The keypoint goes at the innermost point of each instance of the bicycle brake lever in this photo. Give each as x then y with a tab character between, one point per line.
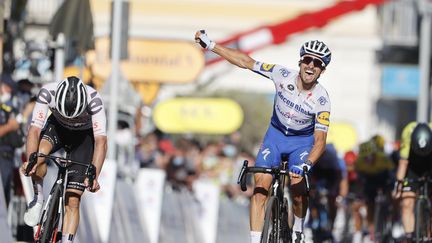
91	175
242	176
32	162
305	171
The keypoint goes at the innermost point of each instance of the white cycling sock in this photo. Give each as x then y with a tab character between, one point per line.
298	224
67	238
255	236
357	237
38	190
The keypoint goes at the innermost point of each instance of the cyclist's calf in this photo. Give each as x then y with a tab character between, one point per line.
298	187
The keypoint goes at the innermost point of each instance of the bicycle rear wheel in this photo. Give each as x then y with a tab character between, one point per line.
422	222
270	233
52	218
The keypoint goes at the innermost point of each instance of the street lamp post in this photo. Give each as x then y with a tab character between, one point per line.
114	79
425	8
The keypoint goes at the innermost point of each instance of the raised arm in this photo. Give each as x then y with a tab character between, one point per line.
233	56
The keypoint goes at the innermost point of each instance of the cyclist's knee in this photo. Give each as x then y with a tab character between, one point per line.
407	203
260	193
73	198
262	185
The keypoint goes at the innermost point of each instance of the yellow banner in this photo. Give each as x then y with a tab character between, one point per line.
147	91
198	115
150	61
343	136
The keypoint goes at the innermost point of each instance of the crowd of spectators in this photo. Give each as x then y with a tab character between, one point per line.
187	158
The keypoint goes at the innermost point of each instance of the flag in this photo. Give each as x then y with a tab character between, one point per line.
74	19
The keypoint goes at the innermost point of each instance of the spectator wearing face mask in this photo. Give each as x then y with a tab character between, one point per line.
9	122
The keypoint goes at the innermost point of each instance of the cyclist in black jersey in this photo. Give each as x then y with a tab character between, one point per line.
415	161
77	124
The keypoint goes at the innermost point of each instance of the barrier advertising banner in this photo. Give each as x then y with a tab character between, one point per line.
149	187
102	200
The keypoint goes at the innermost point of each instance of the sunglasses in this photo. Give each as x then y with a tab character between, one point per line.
316	62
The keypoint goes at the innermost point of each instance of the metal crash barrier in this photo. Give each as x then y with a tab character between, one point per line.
149	210
233	223
126	225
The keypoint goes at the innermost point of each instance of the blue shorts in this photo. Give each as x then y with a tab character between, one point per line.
276	143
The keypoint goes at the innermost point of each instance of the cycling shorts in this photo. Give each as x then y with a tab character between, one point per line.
410	184
276	143
79	144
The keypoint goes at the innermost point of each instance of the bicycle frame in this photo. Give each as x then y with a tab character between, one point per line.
51	220
279	220
423	223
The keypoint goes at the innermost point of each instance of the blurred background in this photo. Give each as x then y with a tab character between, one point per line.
181	120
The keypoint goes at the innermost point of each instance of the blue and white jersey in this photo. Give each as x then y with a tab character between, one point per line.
296	112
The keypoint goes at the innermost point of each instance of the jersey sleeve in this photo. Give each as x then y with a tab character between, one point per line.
322	111
406	140
271	71
97	111
40	110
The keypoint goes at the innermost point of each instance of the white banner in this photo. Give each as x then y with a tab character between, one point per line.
207	194
102	201
149	191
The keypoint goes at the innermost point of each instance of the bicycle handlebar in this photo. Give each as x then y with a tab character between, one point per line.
62	162
274	171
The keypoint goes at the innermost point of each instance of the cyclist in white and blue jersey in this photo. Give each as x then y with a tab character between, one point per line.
298	127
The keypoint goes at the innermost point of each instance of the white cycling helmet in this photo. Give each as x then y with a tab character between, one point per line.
318	49
71	97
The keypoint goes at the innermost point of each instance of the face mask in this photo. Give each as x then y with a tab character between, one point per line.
229	150
210	161
178	161
5	97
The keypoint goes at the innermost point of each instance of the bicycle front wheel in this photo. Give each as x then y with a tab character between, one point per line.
270	233
51	219
422	221
380	221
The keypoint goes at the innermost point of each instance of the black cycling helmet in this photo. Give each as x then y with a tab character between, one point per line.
421	140
71	97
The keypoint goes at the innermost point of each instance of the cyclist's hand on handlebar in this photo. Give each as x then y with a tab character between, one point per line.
29	167
202	38
298	171
397	189
91	183
95	186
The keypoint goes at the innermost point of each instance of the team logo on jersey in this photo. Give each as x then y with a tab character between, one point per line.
323	118
322	100
302	155
267	67
284	72
265	153
95	106
290	87
44	96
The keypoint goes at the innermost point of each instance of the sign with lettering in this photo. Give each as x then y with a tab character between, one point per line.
150	61
198	115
